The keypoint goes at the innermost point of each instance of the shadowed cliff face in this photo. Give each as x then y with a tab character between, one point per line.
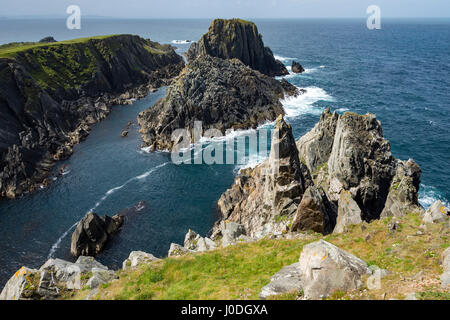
51	93
239	39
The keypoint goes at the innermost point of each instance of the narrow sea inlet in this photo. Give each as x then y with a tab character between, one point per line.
399	73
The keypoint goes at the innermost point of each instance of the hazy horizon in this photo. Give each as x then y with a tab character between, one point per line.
207	9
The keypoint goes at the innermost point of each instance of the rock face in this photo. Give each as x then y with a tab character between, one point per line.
92	233
287	280
49	95
324	268
343	165
222	94
263	199
348	212
194	242
55	277
445	276
315	212
402	197
236	38
137	258
297	67
436	213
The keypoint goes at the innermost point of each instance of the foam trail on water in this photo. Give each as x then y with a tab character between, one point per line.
304	103
56	245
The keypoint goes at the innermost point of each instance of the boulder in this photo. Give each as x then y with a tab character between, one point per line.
100	276
240	39
92	233
22	285
287	280
297	67
325	268
348	212
315	212
137	258
177	250
445	276
436	213
403	191
231	231
195	242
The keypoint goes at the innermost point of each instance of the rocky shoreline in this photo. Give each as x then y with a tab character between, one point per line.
49	107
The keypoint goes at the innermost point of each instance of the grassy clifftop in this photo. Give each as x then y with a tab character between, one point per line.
240	271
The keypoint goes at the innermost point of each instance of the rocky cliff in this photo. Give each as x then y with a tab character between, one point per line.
51	92
237	38
221	93
340	173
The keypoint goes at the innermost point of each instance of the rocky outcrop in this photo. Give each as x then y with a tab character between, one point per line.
297	67
348	212
343	165
240	39
51	94
324	269
437	212
403	192
222	94
176	250
287	280
136	258
445	276
54	278
315	212
92	233
194	242
264	199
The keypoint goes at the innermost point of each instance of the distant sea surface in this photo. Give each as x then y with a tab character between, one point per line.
400	73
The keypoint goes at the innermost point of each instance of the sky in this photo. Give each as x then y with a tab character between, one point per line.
228	8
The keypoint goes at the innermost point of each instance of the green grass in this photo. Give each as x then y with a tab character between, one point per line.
240	271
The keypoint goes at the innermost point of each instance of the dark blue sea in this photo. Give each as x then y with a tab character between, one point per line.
400	73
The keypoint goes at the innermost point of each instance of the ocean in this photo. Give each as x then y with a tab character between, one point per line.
400	73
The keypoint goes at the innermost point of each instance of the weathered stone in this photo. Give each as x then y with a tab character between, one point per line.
315	212
403	192
348	212
231	231
137	258
297	67
100	276
92	233
436	213
324	268
177	250
287	280
22	285
236	38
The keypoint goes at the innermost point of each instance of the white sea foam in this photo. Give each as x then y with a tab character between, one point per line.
342	110
250	162
428	195
56	245
304	103
283	59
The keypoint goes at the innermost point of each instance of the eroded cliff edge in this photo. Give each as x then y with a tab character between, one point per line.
51	92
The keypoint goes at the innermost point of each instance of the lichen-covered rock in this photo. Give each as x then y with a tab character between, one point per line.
195	242
92	233
237	38
100	276
348	212
315	212
22	285
231	231
437	212
403	192
287	280
445	276
176	250
137	258
222	94
325	268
